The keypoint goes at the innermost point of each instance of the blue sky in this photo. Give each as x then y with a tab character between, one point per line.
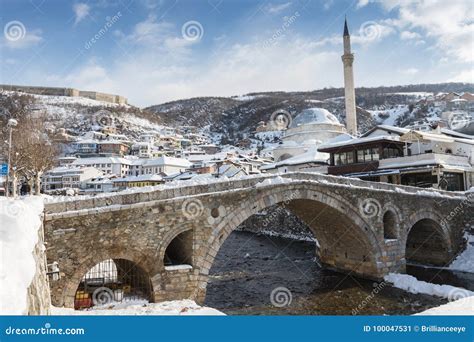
153	51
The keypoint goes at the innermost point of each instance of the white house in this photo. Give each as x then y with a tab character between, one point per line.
167	165
68	177
108	165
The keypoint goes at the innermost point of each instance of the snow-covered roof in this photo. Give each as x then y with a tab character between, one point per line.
86	141
456	134
139	178
314	116
358	141
398	130
69	169
429	136
101	160
166	161
311	156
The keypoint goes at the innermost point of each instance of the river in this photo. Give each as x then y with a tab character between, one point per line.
249	267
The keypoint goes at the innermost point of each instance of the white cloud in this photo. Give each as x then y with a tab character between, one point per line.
464	76
362	3
450	24
153	35
410	71
235	69
30	39
328	4
368	33
275	9
408	35
81	10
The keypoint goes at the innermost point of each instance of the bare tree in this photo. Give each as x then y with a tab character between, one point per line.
32	151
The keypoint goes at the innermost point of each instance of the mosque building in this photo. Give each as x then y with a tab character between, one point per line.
313	127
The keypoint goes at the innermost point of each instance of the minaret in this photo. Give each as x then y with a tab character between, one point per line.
349	92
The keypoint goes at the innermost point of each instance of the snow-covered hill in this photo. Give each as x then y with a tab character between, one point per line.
237	117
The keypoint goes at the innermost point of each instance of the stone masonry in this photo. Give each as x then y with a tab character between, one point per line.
363	228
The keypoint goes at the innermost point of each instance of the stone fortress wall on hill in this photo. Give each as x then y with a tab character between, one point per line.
71	92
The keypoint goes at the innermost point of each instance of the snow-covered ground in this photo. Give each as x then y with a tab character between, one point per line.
411	284
461	307
177	307
388	116
20	220
465	261
461	300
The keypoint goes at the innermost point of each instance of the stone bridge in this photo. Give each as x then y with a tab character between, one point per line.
173	234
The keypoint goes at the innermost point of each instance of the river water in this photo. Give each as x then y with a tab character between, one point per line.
249	267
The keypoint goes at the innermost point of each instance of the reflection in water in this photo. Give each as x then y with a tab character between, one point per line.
249	266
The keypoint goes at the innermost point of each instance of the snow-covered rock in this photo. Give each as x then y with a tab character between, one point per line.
465	261
411	284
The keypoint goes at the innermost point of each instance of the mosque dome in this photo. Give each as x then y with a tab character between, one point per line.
314	116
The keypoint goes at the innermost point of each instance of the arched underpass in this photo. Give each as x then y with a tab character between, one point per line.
113	281
251	268
427	244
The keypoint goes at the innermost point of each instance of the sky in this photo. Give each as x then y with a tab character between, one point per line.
154	51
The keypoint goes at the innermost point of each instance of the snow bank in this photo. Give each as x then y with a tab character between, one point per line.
411	284
464	306
273	181
172	308
465	261
20	221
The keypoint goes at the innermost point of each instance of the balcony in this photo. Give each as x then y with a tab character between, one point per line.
450	160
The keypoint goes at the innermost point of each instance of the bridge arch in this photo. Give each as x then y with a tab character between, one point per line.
426	241
349	244
128	258
390	225
177	248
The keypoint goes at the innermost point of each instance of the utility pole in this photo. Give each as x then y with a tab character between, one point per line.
11	123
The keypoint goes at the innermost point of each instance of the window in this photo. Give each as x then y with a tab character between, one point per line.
360	156
343	158
350	157
375	153
367	156
453	181
391	152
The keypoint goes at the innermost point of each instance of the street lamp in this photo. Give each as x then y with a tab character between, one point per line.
11	123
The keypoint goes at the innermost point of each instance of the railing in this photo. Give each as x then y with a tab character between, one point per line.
434	158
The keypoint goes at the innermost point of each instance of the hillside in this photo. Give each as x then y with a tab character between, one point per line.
238	116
